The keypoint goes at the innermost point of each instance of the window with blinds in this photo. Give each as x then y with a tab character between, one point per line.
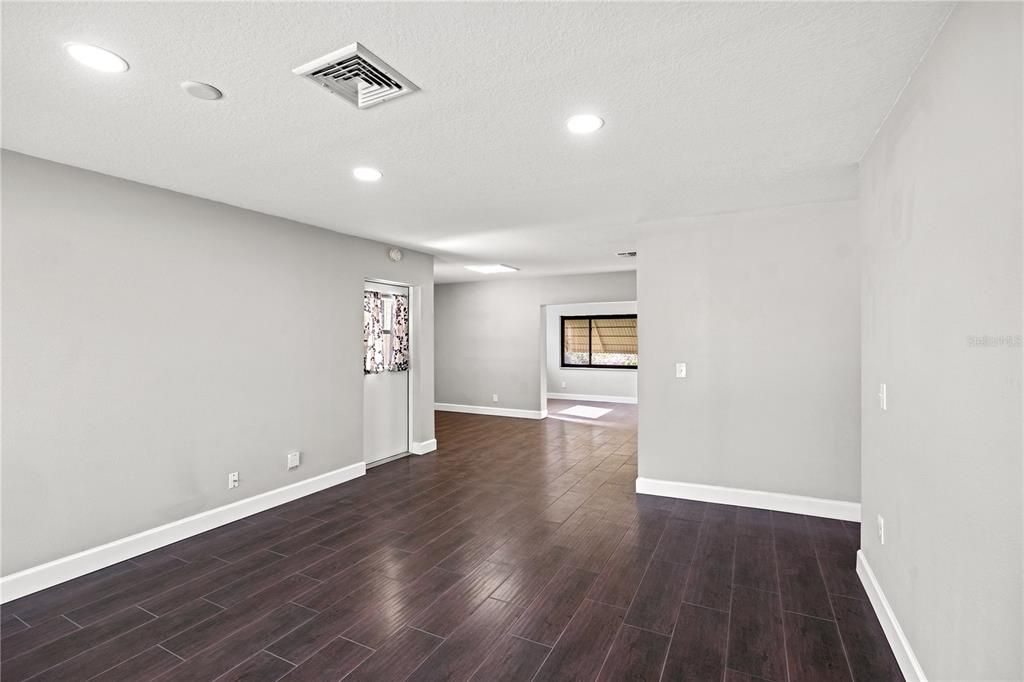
602	341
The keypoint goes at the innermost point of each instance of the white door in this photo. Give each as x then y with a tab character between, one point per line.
385	401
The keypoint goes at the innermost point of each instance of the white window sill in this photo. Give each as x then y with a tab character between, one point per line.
599	369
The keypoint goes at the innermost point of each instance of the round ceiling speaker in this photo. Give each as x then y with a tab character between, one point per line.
395	254
201	90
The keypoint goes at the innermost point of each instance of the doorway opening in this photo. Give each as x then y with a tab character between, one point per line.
590	360
387	365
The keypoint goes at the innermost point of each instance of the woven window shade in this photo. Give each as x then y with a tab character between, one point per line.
616	335
577	336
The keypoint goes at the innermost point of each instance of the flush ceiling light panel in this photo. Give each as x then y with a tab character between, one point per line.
201	90
491	269
584	124
357	75
367	174
96	58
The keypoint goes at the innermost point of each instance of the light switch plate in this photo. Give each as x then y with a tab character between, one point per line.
680	370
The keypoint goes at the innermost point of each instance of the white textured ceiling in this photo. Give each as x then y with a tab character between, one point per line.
709	107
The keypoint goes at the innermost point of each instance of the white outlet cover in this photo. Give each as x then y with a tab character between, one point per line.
680	370
294	459
495	397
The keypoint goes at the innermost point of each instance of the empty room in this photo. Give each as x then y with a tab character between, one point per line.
567	341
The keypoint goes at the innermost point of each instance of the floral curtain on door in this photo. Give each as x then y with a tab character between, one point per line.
373	333
385	333
399	356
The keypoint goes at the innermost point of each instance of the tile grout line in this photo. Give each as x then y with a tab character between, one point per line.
374	650
425	658
161	646
234	632
832	608
576	613
84	651
157	593
756	678
808	615
732	595
632	599
532	641
131	658
443	638
281	658
68	618
782	610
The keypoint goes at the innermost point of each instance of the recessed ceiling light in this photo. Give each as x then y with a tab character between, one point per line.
367	174
491	269
201	90
581	124
96	57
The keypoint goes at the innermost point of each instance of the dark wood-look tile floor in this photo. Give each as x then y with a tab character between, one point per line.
517	551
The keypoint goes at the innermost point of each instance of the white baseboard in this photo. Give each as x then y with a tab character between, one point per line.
593	398
909	664
492	411
796	504
60	570
422	448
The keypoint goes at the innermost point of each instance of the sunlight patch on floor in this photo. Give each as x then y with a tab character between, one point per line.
585	411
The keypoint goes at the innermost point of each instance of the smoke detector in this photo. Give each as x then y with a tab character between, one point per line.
357	75
626	254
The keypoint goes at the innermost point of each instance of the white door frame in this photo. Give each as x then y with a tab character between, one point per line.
413	331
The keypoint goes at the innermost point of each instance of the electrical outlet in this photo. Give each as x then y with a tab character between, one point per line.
883	398
494	397
881	529
563	384
233	479
294	459
680	370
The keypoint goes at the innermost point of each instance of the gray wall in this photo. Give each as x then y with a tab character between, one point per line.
612	383
942	234
154	342
763	308
489	335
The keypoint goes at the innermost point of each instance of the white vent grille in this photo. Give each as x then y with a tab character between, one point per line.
358	75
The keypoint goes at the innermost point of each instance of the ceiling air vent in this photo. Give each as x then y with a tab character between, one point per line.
358	75
626	254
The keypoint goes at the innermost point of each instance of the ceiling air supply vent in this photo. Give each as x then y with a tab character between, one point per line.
626	254
358	75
